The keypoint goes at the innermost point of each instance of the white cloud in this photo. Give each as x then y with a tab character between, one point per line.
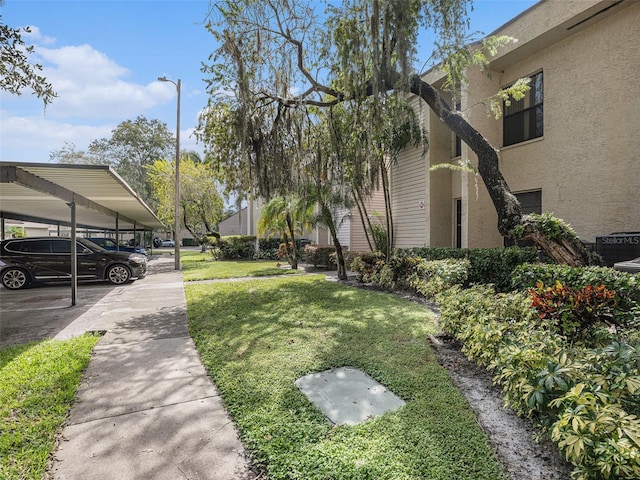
94	96
34	36
33	138
91	85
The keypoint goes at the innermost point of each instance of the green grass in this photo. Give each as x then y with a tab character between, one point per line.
200	266
38	382
257	337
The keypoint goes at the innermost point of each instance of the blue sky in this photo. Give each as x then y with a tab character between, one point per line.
103	58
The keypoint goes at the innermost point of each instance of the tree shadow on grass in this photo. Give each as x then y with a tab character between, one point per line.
257	338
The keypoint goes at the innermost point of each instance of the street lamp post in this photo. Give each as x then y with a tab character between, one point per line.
176	228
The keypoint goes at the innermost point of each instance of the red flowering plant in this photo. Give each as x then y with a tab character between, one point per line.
574	311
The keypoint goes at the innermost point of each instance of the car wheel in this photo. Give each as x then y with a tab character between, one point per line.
118	274
15	278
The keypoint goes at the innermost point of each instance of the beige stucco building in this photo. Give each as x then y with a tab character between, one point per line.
571	147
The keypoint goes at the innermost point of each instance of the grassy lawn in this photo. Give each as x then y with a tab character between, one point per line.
257	337
38	382
200	266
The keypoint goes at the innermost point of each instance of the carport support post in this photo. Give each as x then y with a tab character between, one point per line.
74	255
117	232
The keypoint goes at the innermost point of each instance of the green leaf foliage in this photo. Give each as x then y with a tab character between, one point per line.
38	382
256	338
587	399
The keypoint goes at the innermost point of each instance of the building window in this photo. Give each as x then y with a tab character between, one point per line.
458	223
457	146
530	202
523	119
457	152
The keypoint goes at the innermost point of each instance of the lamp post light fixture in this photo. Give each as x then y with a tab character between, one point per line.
176	229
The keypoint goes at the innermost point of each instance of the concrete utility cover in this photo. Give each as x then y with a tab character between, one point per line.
347	395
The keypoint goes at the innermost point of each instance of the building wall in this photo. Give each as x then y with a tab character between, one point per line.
440	200
409	191
236	224
376	210
343	224
587	164
409	196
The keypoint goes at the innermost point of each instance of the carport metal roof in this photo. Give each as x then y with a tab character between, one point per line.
42	192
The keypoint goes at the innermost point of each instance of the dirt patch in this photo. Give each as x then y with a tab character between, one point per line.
511	437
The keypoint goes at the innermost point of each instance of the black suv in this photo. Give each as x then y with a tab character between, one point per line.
44	259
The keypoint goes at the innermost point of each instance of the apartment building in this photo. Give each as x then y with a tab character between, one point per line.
570	147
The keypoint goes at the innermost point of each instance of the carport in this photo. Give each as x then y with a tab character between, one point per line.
85	196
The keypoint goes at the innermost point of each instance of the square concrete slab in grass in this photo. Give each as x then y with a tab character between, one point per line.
347	395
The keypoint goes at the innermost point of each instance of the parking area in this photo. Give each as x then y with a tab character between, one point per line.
45	311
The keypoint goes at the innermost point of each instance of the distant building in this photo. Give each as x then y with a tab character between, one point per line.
236	224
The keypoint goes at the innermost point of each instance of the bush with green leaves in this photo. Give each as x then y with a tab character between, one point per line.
426	277
323	255
626	285
486	265
235	247
367	266
587	399
431	277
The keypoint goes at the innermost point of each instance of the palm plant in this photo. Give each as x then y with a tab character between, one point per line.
286	217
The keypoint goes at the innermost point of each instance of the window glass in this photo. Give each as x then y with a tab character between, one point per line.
14	246
524	119
36	246
60	246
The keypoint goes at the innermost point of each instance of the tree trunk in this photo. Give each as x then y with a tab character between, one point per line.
388	213
562	249
293	256
364	218
328	221
342	269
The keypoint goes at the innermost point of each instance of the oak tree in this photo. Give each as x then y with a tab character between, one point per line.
281	56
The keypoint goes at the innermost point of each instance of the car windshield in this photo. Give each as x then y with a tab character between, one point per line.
89	244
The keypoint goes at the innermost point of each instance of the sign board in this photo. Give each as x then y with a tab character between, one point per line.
618	247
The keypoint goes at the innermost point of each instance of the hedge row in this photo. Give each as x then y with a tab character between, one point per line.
586	397
483	265
486	265
242	247
564	345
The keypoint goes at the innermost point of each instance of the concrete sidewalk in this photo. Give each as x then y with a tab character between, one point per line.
145	408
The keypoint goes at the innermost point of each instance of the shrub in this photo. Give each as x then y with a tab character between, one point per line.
431	277
627	287
320	255
366	265
379	238
574	311
216	253
235	247
486	265
271	243
586	399
426	277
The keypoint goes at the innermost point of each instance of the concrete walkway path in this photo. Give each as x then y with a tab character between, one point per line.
145	408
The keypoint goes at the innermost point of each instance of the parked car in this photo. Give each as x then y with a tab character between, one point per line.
24	261
111	245
163	242
631	266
